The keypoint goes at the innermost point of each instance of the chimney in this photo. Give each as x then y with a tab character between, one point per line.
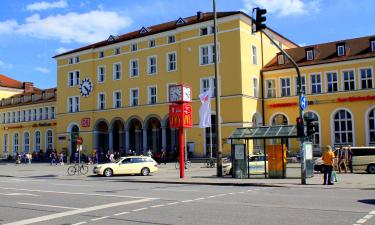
199	15
28	87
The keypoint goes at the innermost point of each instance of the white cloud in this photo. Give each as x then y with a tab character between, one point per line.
42	69
4	65
71	27
47	5
62	50
284	7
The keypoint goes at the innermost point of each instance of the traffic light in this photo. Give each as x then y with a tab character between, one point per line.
259	19
310	128
300	128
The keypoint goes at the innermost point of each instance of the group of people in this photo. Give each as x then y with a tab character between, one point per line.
344	158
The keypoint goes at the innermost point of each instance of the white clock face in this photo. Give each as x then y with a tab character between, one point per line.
187	94
175	93
85	88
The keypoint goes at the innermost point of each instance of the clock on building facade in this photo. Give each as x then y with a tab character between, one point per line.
85	87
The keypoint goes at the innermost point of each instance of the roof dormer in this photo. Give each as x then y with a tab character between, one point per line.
111	38
309	53
340	48
144	30
372	44
180	21
280	59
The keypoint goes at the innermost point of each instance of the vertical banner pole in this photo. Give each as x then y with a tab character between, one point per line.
182	151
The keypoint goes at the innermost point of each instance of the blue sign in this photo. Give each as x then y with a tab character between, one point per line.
303	102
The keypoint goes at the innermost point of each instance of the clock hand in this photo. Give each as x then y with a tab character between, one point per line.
86	88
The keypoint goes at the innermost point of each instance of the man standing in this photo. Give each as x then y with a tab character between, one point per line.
328	159
349	155
341	156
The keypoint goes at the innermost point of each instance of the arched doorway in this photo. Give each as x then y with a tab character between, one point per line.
74	134
134	126
171	136
117	136
154	141
101	140
277	120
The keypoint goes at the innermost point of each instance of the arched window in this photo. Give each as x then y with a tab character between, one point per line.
37	141
15	143
26	142
371	124
343	128
279	119
49	138
315	120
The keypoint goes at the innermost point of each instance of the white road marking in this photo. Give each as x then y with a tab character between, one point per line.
197	199
187	201
156	206
77	211
368	216
182	190
19	194
172	203
231	193
212	196
73	193
136	210
372	212
221	195
118	214
83	222
51	206
73	185
361	221
100	218
365	218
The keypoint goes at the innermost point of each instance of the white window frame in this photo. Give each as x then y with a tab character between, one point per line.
5	143
169	40
311	83
71	79
131	97
169	62
46	113
343	79
303	77
287	88
117	51
26	145
53	112
149	66
211	85
273	89
74	105
76	59
101	103
40	114
372	46
35	114
280	59
131	68
327	82
150	97
254	55
101	54
152	43
115	71
333	120
168	85
210	56
100	74
49	143
37	145
116	100
370	130
134	47
341	50
310	55
256	87
360	77
16	142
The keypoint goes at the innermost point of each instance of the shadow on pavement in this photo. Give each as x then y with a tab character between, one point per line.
367	201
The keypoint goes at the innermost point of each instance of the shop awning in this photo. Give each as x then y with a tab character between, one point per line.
283	131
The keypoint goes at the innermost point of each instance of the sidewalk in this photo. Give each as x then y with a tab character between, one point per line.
197	174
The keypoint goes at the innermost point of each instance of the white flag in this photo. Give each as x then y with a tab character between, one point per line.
205	109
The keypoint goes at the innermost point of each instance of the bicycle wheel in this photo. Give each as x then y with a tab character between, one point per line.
212	163
71	170
207	163
84	169
187	164
177	165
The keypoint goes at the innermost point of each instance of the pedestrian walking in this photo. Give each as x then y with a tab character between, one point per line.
349	154
111	157
149	153
28	158
53	158
341	157
61	158
163	157
328	160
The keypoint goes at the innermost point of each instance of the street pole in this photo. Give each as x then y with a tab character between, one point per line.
299	90
182	151
219	168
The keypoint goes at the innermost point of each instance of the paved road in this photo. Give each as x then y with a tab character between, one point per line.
61	199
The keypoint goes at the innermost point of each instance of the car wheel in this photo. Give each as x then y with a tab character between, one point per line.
108	172
371	169
145	171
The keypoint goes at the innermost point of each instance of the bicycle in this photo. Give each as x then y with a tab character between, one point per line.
210	163
187	164
78	168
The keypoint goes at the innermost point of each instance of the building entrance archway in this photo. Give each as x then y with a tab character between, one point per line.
154	134
117	136
101	140
134	128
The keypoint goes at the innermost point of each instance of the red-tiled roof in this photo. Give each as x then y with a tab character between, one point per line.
357	48
166	27
9	82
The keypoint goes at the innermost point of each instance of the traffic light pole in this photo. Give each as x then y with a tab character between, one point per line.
299	90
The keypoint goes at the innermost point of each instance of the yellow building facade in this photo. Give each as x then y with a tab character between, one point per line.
114	94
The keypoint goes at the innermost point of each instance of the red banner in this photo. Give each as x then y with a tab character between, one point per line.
180	115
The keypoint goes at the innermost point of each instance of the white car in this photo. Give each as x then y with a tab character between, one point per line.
127	165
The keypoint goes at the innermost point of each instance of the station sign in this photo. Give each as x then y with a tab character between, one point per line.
180	116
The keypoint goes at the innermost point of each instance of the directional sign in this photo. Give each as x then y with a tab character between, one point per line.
303	102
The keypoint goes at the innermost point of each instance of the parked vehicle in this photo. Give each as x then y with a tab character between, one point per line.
127	165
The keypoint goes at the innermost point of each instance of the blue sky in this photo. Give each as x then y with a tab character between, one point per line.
32	31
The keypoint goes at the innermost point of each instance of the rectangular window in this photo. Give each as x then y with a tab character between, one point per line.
77	78
280	59
316	84
151	65
35	115
70	104
171	39
101	54
303	79
117	100
101	101
255	86
271	89
332	82
3	118
341	50
373	46
117	51
134	47
70	60
207	83
152	95
73	104
151	43
255	55
18	116
366	78
76	59
8	117
117	71
285	87
204	55
134	97
76	104
40	113
23	118
349	80
310	54
29	115
101	74
171	61
134	68
13	117
53	113
46	113
207	54
204	31
71	79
